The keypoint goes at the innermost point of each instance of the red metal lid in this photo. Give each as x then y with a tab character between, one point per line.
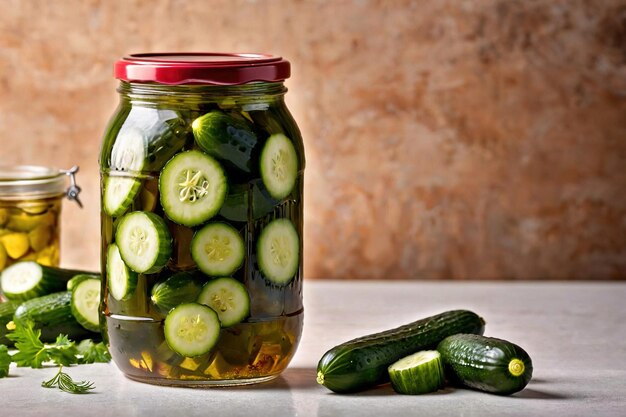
202	68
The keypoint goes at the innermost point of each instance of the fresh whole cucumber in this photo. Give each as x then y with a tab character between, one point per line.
362	363
52	314
485	363
7	309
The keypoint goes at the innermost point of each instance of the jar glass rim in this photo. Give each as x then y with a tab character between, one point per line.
30	181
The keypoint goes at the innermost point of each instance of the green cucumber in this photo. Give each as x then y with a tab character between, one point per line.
419	373
278	251
120	279
191	329
362	363
247	199
183	287
144	242
52	314
77	279
192	188
25	280
227	138
7	309
228	298
128	158
279	166
486	363
85	303
217	249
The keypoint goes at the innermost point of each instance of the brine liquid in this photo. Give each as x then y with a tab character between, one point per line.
29	231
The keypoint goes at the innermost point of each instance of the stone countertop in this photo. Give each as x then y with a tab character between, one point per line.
575	333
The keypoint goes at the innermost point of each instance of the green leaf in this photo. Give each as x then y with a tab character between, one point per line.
67	384
32	352
5	361
92	352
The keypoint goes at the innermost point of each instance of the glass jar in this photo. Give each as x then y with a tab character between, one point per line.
30	209
202	184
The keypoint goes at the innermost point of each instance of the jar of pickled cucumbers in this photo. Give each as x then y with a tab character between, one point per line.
30	208
202	197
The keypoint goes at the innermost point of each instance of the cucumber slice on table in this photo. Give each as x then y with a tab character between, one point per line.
128	154
26	280
85	303
144	241
122	281
228	297
192	329
227	138
192	188
217	249
278	251
419	373
279	166
182	287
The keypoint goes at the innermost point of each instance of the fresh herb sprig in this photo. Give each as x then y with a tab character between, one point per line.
65	383
33	352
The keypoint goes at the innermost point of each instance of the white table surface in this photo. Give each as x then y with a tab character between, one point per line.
574	332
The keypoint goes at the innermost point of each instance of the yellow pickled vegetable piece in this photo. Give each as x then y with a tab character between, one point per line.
4	232
30	256
26	222
49	256
16	244
3	257
218	368
4	216
189	364
39	237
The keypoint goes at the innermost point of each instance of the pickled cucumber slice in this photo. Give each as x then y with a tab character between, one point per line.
228	298
85	303
128	155
16	244
144	242
192	329
419	373
217	249
192	188
121	280
278	251
279	166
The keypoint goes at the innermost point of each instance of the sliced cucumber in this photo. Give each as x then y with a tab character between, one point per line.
128	154
180	288
26	280
192	329
228	297
279	166
77	279
144	241
278	251
192	188
122	281
419	373
217	249
85	303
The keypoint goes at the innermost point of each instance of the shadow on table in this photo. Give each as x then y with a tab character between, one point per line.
529	393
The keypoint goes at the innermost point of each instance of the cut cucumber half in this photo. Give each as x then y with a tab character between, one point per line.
419	373
77	279
278	251
180	288
25	280
279	166
192	329
228	297
128	154
144	242
122	281
217	249
86	302
192	188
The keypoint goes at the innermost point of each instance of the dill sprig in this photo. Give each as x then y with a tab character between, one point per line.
65	383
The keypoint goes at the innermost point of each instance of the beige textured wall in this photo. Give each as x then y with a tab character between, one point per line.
445	139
